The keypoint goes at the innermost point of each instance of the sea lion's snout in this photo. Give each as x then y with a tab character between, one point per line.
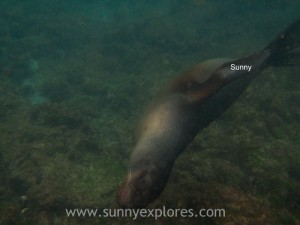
139	188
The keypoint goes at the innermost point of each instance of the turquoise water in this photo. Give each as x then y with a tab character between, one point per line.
75	77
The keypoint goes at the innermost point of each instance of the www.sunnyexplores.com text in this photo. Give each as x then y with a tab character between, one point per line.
145	213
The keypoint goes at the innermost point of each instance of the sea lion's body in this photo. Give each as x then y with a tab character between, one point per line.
190	103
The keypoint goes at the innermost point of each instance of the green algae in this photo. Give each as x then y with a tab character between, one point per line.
71	150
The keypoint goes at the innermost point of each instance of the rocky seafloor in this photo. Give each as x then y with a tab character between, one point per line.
75	77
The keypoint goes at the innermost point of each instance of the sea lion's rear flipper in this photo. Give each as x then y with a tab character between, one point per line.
285	48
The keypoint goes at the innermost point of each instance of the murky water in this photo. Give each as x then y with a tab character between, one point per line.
75	77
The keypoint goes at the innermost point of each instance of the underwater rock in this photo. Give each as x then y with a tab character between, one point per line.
54	116
55	90
19	185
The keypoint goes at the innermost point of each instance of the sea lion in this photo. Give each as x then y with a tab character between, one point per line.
190	103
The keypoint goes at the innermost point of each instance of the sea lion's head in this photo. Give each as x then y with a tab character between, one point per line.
141	187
